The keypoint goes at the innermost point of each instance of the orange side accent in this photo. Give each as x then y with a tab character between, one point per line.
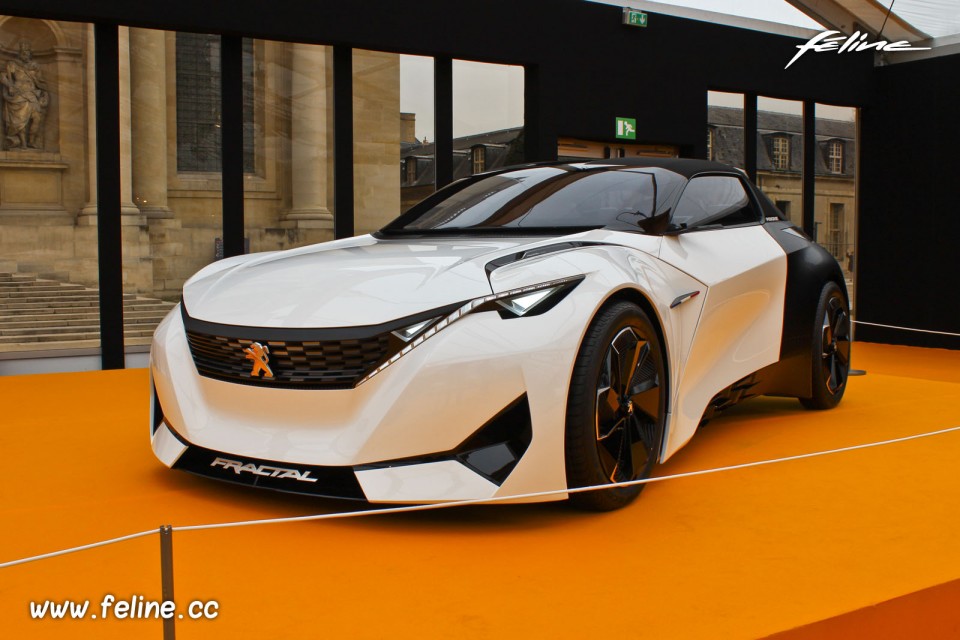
741	554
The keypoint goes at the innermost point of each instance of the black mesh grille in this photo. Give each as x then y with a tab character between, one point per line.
327	364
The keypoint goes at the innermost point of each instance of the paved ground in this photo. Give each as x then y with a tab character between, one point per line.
742	554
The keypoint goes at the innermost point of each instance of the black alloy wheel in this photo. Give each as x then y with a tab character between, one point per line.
616	407
831	349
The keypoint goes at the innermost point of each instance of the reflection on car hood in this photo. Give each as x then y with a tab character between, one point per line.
358	281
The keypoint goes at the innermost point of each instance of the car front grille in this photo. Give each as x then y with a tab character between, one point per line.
305	364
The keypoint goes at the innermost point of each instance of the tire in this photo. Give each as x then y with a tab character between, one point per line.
831	349
614	428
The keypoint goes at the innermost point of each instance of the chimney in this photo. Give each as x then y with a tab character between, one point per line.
408	127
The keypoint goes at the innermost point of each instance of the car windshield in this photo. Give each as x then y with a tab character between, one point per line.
536	199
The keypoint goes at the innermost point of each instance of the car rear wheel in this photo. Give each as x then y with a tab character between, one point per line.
616	407
831	349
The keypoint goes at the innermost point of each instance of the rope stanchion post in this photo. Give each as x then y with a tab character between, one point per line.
166	578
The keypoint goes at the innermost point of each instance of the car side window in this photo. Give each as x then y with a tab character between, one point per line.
714	200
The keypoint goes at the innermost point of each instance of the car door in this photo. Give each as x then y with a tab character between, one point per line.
717	237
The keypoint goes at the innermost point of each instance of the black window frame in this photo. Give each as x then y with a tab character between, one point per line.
753	203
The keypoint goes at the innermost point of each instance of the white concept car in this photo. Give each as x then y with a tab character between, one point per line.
538	328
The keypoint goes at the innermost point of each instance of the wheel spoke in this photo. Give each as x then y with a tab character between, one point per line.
843	357
627	348
839	323
643	366
607	406
644	370
826	338
611	453
642	445
647	402
607	429
832	384
608	402
841	371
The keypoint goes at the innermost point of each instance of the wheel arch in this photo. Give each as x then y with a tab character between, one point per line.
809	268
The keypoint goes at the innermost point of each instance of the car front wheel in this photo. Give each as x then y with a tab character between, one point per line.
616	407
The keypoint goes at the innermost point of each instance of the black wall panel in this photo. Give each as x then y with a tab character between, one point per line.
909	216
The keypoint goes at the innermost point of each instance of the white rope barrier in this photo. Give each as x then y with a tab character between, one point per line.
461	503
93	545
890	326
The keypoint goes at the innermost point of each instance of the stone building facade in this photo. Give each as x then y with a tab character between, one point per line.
779	170
171	209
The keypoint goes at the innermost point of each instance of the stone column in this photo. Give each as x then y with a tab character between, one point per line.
126	203
88	213
148	93
127	208
309	140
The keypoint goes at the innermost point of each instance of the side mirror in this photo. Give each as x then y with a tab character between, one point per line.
657	225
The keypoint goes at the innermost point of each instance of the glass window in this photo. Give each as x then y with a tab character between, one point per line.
725	128
417	141
541	198
835	157
487	111
781	153
289	200
479	160
172	223
198	102
835	190
710	200
49	276
393	127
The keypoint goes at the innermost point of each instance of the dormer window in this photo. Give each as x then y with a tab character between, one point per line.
835	156
479	157
781	153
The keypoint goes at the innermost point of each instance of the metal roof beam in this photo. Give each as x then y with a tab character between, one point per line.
848	16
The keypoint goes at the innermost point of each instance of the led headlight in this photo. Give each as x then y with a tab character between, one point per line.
516	303
409	333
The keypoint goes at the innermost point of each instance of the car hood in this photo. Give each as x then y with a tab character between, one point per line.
352	282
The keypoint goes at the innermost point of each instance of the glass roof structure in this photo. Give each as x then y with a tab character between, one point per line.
911	20
938	18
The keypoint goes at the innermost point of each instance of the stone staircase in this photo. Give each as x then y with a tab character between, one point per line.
38	314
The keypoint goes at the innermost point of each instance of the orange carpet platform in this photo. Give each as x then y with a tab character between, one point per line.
855	544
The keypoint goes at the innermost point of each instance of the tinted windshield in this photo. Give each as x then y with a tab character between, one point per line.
536	198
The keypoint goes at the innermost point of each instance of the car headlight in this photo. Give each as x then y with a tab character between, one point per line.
523	302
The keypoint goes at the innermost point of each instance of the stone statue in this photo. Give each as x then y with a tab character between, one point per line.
25	100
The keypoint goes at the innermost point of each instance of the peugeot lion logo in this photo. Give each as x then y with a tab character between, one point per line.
260	355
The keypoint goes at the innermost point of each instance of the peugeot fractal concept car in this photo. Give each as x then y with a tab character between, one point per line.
537	328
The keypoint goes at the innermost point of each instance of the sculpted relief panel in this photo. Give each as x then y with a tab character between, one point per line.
25	100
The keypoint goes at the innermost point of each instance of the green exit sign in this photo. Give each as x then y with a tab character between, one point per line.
626	128
634	17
